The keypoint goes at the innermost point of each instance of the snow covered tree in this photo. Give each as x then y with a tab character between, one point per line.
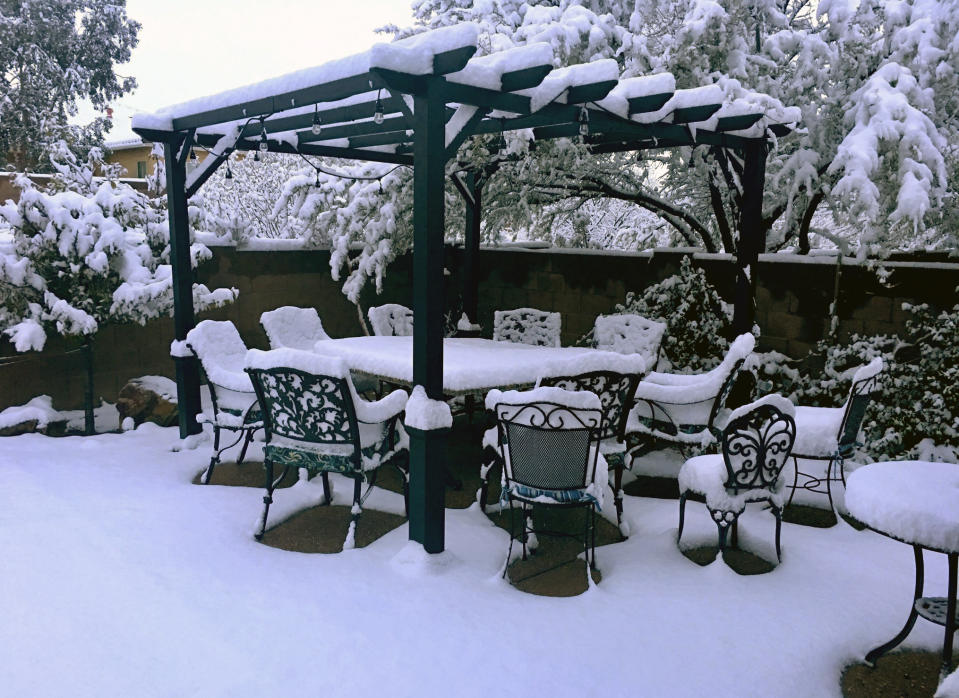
244	205
52	54
86	250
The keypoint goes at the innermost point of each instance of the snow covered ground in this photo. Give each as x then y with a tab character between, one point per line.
119	577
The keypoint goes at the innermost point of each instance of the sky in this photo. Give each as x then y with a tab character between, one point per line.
193	48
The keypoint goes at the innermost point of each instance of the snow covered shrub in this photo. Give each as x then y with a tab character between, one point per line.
85	250
696	318
915	414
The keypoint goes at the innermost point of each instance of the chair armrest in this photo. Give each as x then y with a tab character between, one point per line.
237	381
381	410
685	394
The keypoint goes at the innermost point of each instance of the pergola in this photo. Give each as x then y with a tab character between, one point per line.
414	102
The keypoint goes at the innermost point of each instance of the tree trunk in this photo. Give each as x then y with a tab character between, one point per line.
88	420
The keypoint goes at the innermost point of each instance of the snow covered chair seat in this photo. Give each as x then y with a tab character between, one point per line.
234	407
296	328
630	334
391	320
832	433
314	419
684	410
756	444
549	445
538	328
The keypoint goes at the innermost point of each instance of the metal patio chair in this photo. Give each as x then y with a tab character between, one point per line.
755	446
832	433
613	378
684	410
391	320
293	327
549	444
538	328
314	419
234	407
630	334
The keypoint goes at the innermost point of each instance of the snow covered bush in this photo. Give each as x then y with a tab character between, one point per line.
697	319
915	414
85	250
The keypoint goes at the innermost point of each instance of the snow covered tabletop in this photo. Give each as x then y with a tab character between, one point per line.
914	501
469	365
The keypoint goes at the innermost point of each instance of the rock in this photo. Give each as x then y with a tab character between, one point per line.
148	399
27	427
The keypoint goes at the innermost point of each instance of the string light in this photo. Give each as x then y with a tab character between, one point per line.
192	161
317	128
317	182
583	121
264	146
378	111
228	177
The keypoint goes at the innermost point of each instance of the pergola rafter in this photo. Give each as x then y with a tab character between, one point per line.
415	102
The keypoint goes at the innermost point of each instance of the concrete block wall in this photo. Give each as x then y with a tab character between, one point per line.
793	298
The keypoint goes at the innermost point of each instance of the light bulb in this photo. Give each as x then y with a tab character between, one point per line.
264	146
317	182
583	122
228	177
192	161
378	112
316	128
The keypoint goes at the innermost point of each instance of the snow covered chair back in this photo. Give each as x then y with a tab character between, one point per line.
865	382
306	397
756	443
547	437
611	376
630	334
391	320
538	328
688	408
296	328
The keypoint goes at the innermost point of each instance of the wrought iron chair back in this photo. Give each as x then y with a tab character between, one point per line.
723	395
549	446
290	326
615	391
391	320
306	407
630	333
859	397
756	447
537	328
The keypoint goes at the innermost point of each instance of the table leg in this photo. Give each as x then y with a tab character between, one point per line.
913	614
950	618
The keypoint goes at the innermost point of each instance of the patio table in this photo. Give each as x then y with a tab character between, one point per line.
917	503
470	366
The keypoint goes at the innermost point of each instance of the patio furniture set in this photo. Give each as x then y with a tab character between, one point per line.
564	416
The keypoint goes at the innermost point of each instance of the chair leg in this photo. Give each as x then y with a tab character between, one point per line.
355	511
734	537
682	516
725	520
592	530
795	480
268	498
215	458
512	533
779	527
246	444
327	495
489	462
832	507
618	495
525	531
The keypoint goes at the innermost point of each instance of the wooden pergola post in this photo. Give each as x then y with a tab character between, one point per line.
428	448
187	368
471	241
752	239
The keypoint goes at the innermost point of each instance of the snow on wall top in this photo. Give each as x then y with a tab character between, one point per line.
411	55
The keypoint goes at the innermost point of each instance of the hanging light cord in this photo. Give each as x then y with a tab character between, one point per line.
355	178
